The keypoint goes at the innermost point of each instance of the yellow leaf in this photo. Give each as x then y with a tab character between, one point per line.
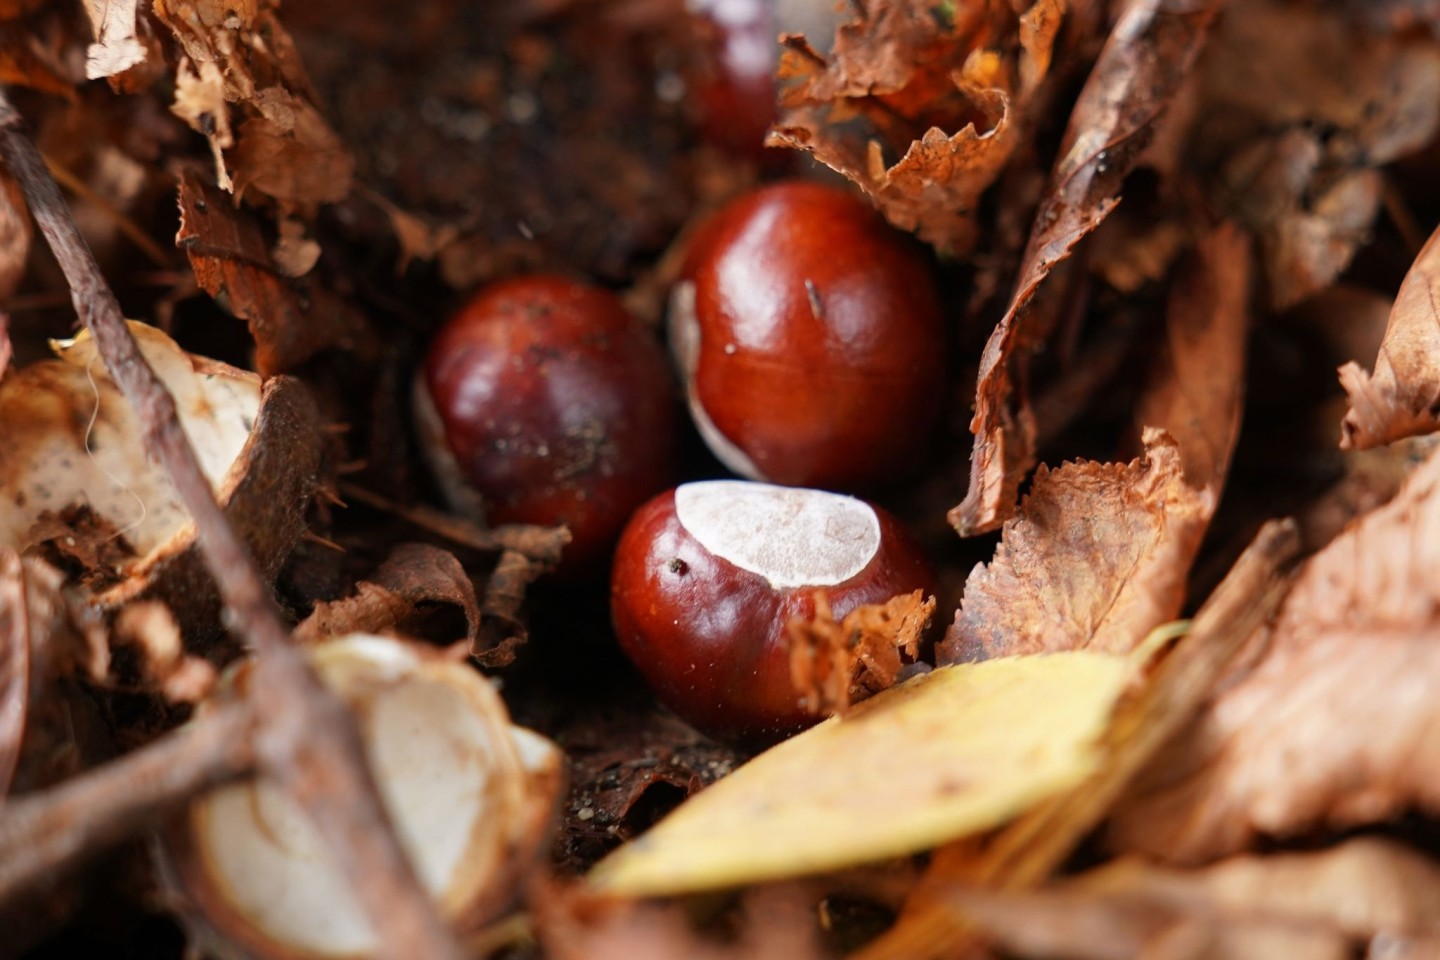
956	752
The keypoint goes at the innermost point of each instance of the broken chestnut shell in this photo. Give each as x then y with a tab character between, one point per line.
707	575
76	480
471	796
543	401
810	337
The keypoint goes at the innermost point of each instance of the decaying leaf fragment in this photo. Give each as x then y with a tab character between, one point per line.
1402	397
116	48
289	323
835	663
1329	723
1145	61
898	78
470	795
1096	559
413	574
952	753
1324	905
74	469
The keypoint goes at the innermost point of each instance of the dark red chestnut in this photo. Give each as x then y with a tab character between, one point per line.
707	575
547	400
810	338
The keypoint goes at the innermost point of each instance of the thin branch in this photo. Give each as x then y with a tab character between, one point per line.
306	740
42	834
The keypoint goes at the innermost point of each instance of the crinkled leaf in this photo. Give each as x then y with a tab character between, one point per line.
1148	56
1402	397
1331	721
1327	904
1096	558
898	78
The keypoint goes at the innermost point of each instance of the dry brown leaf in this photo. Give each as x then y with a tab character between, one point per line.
1030	850
1300	109
1144	63
1197	385
290	324
1331	723
835	663
413	574
1325	904
1096	558
1402	397
907	74
242	55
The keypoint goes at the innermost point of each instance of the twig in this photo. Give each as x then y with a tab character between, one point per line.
305	740
541	544
42	834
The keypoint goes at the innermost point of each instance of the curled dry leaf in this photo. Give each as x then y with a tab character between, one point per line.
1402	397
470	795
1095	560
897	79
835	663
1329	723
1326	905
74	451
413	574
230	258
953	753
1147	58
1301	108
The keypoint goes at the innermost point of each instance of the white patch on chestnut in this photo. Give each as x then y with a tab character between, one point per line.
685	344
790	536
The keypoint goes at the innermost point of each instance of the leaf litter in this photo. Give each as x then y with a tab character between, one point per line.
1171	220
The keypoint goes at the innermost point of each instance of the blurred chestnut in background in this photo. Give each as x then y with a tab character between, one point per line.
543	401
707	576
809	334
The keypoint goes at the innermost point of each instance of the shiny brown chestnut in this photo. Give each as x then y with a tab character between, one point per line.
707	575
544	401
736	87
810	338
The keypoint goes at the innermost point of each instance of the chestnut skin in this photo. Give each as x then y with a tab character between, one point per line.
736	92
556	406
810	336
709	635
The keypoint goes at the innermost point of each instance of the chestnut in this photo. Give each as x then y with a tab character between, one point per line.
810	338
543	401
736	90
707	575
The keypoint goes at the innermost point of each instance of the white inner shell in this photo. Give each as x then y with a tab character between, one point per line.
72	438
790	536
433	754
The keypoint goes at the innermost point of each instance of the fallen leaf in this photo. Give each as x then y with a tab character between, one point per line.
1329	722
1327	904
1402	397
1096	558
1197	383
290	322
906	72
954	752
1301	108
1147	58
